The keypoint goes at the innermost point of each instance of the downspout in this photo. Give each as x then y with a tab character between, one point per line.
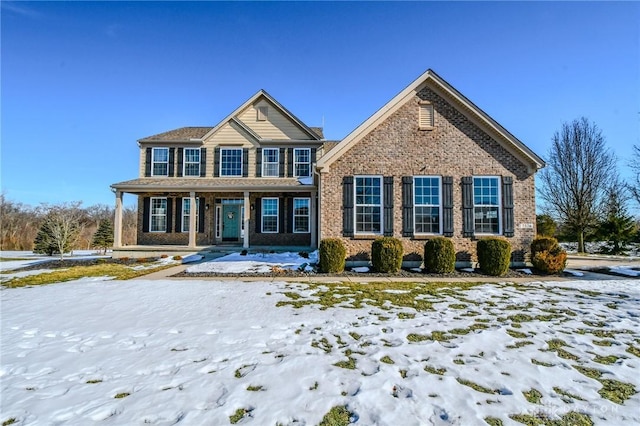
316	172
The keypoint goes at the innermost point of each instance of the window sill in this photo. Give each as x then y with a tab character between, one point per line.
366	236
425	236
428	128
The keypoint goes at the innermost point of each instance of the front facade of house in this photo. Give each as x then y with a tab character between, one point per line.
428	163
247	181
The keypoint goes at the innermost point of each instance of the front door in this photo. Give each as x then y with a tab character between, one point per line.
230	222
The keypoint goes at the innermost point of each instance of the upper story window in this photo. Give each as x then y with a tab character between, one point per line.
302	162
427	205
231	162
191	162
160	162
158	213
486	205
270	162
425	115
368	205
262	113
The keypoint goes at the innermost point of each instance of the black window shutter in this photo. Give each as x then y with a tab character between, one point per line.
507	206
290	215
180	161
169	214
447	206
281	158
290	163
468	224
259	162
282	213
245	162
201	213
216	162
407	206
313	155
203	162
178	214
388	206
146	212
172	154
347	206
147	163
258	215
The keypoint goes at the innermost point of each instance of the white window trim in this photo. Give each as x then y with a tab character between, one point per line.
473	189
264	163
295	163
308	216
183	215
151	215
428	205
153	161
218	221
277	215
355	205
241	161
184	162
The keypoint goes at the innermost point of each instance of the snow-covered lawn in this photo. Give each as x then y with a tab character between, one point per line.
196	352
236	263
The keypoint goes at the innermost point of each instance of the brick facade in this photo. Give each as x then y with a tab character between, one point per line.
454	147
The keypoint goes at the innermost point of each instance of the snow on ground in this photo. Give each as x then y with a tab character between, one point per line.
28	258
625	270
194	352
236	263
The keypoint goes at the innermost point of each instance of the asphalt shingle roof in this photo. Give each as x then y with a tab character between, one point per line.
183	134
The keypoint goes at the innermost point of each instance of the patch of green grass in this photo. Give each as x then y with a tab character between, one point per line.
611	305
516	334
492	421
633	350
603	342
592	373
251	388
239	373
520	344
616	391
413	337
440	336
533	396
406	315
322	344
556	344
122	395
458	361
520	318
93	381
595	324
314	387
354	335
475	386
460	331
387	360
608	359
570	397
238	415
11	259
566	354
403	374
433	370
604	334
478	326
336	416
9	421
115	270
542	363
458	306
572	418
591	293
349	364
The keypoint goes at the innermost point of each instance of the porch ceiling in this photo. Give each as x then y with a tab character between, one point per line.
211	185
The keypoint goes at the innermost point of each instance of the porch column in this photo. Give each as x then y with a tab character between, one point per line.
314	220
247	216
193	208
117	226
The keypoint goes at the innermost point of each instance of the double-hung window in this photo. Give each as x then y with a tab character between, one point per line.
427	205
486	205
270	215
301	208
270	162
302	162
160	162
368	205
186	213
191	162
231	162
158	212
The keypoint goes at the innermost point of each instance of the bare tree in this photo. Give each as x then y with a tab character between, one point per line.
64	225
634	163
574	183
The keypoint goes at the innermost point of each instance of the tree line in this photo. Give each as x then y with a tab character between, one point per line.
583	196
66	226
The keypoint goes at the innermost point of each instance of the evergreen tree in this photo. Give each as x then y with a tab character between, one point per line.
545	225
43	243
618	226
103	238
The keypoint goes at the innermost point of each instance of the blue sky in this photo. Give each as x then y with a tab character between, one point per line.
82	81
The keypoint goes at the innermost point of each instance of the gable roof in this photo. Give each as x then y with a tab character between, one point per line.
269	98
183	134
464	105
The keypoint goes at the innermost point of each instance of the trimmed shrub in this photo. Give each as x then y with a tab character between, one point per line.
332	255
439	256
386	255
547	256
494	255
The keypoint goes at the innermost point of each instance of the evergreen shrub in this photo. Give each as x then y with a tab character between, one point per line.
547	256
494	255
386	255
439	256
332	255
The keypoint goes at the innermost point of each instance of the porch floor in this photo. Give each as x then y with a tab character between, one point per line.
138	251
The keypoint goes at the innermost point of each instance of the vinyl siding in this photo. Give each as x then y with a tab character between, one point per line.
276	126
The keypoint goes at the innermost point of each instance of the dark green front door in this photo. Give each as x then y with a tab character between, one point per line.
230	223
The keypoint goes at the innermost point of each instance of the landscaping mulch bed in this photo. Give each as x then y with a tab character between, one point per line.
68	263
